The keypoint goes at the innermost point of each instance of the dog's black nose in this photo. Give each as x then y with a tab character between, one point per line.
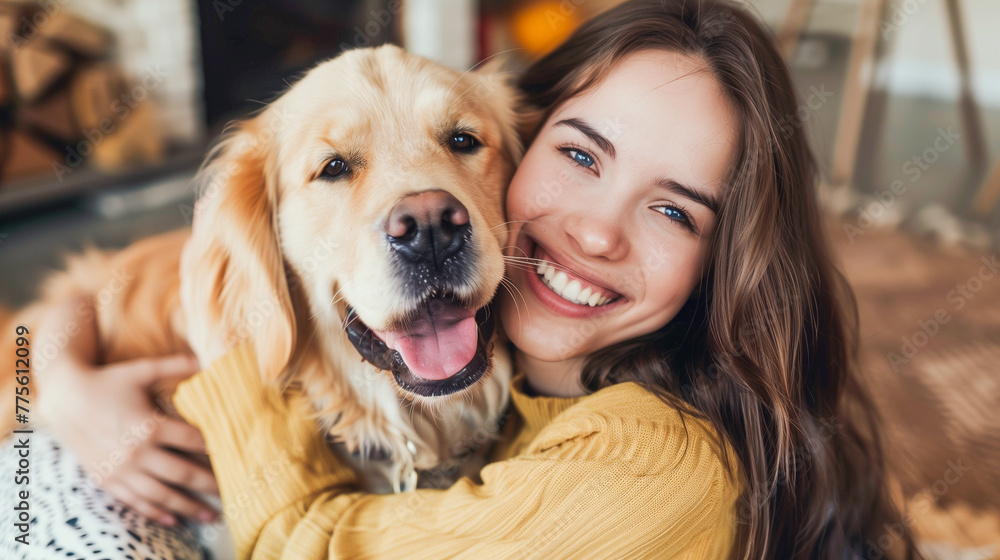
428	226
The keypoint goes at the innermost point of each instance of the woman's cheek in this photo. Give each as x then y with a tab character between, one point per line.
537	188
515	198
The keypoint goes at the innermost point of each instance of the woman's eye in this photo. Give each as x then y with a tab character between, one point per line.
463	142
335	169
677	215
582	158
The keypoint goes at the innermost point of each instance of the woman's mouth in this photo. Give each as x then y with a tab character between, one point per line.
565	291
571	290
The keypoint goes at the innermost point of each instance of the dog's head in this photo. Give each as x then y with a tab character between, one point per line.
375	186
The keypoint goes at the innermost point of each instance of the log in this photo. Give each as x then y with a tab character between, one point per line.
27	156
36	67
76	33
54	116
94	92
135	140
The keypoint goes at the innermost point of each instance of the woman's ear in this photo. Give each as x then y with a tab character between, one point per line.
233	285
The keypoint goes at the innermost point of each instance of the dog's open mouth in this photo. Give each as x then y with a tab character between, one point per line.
442	348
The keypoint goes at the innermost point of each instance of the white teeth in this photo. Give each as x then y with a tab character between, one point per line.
569	290
559	281
572	290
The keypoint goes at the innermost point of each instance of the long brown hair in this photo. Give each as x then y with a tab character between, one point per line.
765	349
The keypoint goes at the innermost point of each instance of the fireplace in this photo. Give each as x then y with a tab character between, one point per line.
171	75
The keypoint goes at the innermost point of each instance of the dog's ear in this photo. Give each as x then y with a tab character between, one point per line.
233	284
496	90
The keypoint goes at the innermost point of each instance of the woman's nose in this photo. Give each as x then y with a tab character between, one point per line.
598	236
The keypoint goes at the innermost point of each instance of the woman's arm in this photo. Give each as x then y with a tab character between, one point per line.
589	494
107	416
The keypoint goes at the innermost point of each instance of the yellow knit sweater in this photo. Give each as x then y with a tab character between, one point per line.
615	474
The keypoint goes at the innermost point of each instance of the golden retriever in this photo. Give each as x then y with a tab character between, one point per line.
352	231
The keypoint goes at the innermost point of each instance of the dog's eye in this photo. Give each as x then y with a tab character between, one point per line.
336	168
463	142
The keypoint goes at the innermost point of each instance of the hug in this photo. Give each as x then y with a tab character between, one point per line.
584	311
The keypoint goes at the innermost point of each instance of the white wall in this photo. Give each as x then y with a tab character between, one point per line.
921	61
442	30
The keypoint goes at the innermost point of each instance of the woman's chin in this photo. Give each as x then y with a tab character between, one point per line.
545	336
540	341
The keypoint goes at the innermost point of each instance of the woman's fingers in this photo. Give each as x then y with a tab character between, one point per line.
180	435
178	471
164	497
147	509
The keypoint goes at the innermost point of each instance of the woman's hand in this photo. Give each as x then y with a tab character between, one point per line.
107	416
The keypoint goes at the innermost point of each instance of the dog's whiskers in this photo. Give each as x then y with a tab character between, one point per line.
508	223
347	324
333	302
511	288
513	247
524	267
533	262
337	300
520	323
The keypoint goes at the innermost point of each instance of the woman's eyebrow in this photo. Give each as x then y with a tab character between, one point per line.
710	201
588	131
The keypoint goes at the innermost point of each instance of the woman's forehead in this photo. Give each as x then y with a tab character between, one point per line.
663	109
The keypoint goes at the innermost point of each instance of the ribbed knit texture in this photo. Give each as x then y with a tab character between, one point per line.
615	474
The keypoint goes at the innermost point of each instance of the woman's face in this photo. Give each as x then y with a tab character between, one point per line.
619	192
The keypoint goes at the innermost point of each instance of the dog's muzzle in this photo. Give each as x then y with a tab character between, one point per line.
441	345
429	236
428	228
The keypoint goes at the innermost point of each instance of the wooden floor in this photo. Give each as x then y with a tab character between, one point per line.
930	328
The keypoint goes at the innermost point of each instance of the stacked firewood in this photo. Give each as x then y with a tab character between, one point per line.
63	102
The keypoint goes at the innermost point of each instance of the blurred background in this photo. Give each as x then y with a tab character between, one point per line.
107	108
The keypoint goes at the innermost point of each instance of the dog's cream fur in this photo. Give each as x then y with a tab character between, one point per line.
276	255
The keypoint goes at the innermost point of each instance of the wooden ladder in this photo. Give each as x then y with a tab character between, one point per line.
859	96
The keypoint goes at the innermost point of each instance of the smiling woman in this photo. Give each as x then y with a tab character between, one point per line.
683	339
632	219
660	173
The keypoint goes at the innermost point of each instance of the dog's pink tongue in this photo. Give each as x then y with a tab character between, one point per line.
439	343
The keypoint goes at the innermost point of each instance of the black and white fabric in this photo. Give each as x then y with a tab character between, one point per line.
71	518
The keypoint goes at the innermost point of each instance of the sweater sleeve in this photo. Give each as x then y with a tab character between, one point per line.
579	495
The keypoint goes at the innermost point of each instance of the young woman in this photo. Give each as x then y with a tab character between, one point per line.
707	407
